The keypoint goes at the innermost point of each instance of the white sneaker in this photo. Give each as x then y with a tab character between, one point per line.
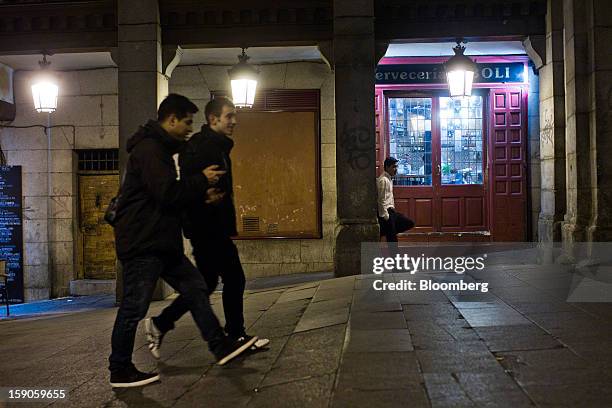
154	337
260	343
231	349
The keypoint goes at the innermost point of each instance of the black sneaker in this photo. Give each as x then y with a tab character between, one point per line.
230	349
154	337
131	377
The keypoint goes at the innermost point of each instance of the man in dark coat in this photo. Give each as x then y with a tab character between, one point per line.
149	241
210	227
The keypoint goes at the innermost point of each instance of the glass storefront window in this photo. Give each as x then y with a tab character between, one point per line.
461	140
410	140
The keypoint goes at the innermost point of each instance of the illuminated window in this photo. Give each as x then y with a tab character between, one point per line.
410	140
461	140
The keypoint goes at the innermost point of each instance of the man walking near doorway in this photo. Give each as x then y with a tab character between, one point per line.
391	222
210	228
149	242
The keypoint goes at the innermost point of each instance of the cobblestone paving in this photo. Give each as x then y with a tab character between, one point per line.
340	343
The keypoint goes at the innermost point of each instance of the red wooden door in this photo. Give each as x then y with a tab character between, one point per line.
508	172
441	148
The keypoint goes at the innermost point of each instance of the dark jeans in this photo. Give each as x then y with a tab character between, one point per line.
397	223
215	257
140	276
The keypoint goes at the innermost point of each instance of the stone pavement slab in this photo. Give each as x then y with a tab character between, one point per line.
444	390
379	341
307	354
516	338
377	320
385	370
412	395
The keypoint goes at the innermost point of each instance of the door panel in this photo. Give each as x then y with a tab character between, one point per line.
423	213
474	211
451	212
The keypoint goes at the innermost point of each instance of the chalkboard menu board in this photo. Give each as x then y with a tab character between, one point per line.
11	230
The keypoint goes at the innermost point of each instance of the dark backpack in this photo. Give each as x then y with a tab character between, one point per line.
110	215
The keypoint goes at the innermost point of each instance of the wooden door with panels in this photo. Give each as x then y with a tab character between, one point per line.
441	147
98	242
98	183
509	164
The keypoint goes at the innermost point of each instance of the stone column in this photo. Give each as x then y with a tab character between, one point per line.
578	143
599	34
534	174
354	64
548	59
142	84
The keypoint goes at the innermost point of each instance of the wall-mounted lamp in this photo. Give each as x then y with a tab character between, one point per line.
460	71
44	89
243	77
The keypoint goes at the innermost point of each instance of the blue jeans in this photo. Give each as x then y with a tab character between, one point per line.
140	276
215	257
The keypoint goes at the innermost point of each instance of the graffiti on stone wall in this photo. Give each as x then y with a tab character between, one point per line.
548	130
356	144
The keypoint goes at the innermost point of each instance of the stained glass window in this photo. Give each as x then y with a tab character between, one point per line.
461	140
410	140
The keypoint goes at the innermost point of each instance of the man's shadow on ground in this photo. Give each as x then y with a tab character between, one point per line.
168	370
235	373
133	397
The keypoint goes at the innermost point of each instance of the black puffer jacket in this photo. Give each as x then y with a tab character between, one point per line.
204	149
152	199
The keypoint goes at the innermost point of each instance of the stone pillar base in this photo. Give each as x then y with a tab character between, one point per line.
572	233
549	232
347	257
596	233
548	229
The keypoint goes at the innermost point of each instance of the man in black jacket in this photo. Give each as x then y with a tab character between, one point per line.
149	242
210	227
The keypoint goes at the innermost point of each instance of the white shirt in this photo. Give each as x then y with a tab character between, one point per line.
384	186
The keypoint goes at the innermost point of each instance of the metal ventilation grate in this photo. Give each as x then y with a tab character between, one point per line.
250	224
99	160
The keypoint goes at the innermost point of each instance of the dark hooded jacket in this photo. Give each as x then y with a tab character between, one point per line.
204	149
152	199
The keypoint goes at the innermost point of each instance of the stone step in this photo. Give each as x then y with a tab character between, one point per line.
88	287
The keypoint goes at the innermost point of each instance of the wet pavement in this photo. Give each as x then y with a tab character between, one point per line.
341	343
